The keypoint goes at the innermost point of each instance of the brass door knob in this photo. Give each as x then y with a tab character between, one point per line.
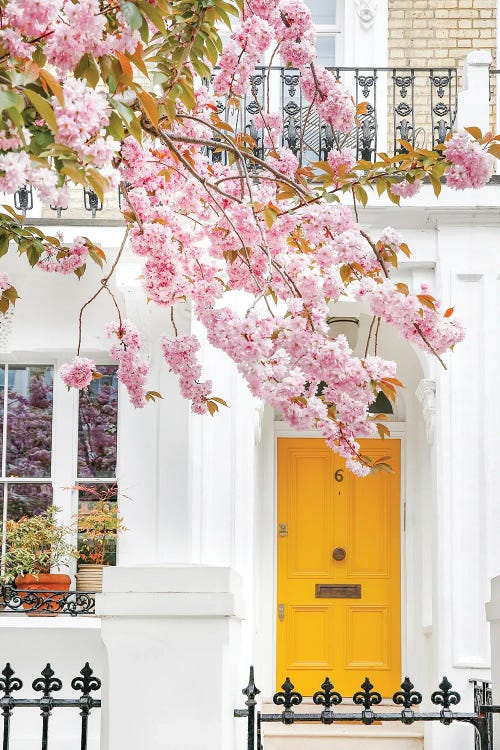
339	554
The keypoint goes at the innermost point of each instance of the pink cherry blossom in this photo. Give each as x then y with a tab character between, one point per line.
471	166
133	369
79	373
5	282
180	356
406	189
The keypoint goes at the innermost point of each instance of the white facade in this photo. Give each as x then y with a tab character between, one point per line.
201	506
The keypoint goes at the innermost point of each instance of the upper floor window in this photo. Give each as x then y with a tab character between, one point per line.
326	16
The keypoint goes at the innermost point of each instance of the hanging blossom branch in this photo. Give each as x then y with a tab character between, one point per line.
257	227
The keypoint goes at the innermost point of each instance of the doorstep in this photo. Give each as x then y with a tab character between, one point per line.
352	736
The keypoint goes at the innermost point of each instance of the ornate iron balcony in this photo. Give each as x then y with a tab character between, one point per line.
418	105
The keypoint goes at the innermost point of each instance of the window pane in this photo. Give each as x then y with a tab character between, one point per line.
97	426
29	421
325	47
323	11
2	393
27	500
97	538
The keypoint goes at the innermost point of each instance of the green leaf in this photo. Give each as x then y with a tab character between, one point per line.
132	14
4	243
154	15
10	99
115	127
43	107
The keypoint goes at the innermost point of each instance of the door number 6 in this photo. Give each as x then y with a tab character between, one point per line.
339	475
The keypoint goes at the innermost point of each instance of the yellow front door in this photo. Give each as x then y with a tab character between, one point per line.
338	605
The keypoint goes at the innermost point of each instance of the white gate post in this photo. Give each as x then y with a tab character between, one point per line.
493	617
171	638
474	99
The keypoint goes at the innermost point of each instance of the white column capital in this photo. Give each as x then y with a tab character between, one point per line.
426	394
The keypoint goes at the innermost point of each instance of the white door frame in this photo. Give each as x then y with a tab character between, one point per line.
267	552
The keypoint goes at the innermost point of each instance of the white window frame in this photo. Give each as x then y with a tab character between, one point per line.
64	453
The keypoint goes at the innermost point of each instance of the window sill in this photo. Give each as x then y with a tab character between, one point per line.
80	622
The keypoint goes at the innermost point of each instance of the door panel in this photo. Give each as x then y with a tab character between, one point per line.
341	616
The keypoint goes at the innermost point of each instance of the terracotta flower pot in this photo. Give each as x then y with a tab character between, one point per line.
89	577
49	603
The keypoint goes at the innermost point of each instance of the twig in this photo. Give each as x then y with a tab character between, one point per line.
369	336
103	286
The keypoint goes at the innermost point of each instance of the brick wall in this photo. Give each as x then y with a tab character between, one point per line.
439	33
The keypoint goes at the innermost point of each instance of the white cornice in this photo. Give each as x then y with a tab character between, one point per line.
425	217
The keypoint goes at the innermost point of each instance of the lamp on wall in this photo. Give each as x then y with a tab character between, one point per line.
23	199
349	327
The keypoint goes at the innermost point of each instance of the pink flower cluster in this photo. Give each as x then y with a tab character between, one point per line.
238	60
180	356
471	166
32	18
5	282
296	30
406	189
132	368
272	124
76	28
424	325
332	100
80	121
64	260
79	374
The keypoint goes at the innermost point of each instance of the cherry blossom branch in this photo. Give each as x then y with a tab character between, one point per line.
369	336
424	338
104	283
192	171
251	157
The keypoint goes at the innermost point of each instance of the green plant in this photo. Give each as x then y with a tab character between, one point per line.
35	544
99	523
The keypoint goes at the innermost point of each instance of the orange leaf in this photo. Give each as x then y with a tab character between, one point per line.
449	312
125	65
149	104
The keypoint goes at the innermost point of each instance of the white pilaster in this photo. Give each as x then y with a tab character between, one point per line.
171	635
474	99
493	617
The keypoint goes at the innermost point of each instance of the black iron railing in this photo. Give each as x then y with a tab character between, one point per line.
418	105
407	698
38	603
47	684
483	696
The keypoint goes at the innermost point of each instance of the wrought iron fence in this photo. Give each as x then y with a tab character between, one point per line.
407	698
47	684
39	603
483	696
418	105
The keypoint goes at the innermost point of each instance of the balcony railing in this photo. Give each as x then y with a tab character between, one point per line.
418	105
48	603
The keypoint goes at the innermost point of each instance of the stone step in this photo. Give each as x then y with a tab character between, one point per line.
345	737
348	736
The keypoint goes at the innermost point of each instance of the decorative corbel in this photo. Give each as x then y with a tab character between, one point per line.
367	10
426	394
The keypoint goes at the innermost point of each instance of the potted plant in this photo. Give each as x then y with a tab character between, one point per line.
34	546
99	524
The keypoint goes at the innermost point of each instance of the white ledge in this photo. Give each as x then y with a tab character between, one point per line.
170	591
59	622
